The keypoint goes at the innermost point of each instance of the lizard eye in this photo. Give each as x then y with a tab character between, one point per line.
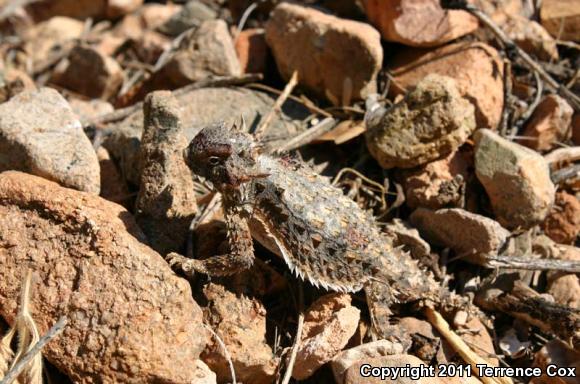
213	160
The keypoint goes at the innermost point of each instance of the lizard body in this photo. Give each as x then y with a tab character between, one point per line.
323	236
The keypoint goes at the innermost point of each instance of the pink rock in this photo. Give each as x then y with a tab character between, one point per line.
549	124
335	58
477	69
561	18
130	319
88	72
531	37
241	323
328	325
116	8
252	50
418	23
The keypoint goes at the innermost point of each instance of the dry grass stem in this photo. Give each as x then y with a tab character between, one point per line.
263	127
461	347
226	352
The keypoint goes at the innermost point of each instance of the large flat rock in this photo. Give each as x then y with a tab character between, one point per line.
203	107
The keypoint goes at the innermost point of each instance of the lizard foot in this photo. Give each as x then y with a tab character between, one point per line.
188	266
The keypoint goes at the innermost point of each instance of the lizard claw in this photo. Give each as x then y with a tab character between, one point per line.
177	261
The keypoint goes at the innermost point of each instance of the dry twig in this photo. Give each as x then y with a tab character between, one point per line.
263	127
524	303
294	351
307	136
461	347
561	175
562	155
530	263
224	348
34	351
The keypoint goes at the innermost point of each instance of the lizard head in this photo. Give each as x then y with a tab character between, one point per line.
224	156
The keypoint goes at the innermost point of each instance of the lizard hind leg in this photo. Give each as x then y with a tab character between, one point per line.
380	298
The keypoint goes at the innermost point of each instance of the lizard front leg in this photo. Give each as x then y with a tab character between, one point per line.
239	258
379	300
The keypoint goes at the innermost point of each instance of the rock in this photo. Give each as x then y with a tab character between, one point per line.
203	374
407	237
241	323
88	72
252	50
563	223
50	36
467	233
516	179
108	43
193	13
566	290
565	287
558	353
12	82
477	69
205	52
431	121
561	18
148	17
418	23
353	374
16	22
117	8
130	319
427	342
531	37
166	203
437	184
344	360
476	335
200	108
88	109
335	58
501	10
40	134
113	186
328	325
576	129
549	124
77	9
147	46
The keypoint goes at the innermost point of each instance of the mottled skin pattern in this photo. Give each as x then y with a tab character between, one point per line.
323	235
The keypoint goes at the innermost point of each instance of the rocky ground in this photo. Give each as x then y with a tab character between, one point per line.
456	125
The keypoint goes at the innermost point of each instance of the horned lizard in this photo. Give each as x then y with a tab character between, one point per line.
323	236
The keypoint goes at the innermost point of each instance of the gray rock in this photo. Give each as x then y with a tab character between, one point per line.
516	179
192	14
166	201
205	51
469	234
430	122
201	108
40	134
89	72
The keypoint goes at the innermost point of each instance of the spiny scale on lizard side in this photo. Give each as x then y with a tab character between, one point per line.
323	235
